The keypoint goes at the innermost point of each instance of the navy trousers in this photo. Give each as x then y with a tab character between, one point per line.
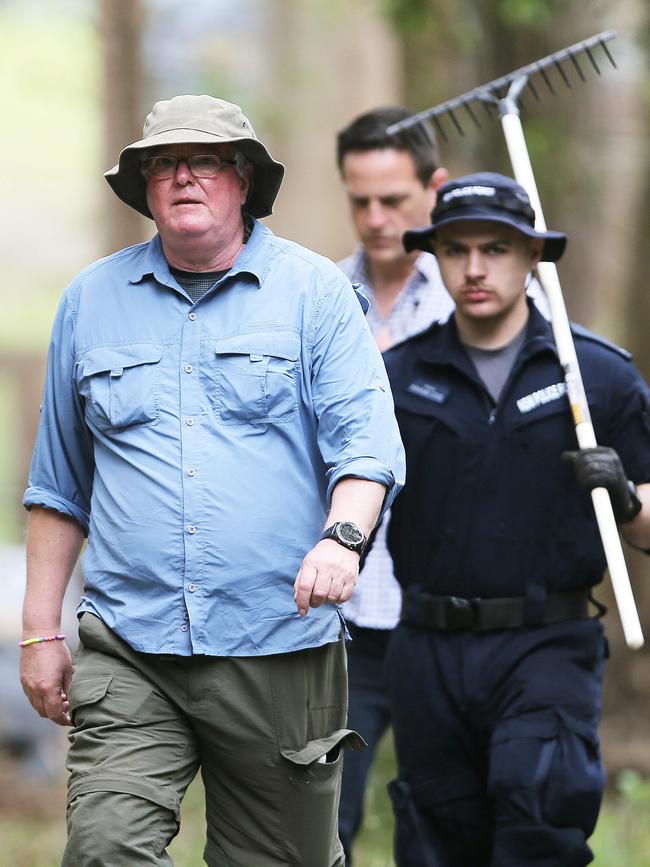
368	714
497	746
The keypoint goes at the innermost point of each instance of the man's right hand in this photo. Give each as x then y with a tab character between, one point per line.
45	675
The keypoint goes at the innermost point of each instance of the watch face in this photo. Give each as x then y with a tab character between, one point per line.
349	533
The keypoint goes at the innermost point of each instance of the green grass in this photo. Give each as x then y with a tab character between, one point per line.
622	837
32	831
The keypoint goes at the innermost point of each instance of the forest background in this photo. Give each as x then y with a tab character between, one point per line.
78	77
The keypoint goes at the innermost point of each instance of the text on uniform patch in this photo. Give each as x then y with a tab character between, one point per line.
541	397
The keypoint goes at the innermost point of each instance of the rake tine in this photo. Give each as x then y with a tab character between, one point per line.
574	60
440	128
455	122
607	52
534	90
470	112
593	62
487	101
560	69
488	94
547	80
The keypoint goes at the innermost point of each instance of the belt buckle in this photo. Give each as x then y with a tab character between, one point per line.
460	613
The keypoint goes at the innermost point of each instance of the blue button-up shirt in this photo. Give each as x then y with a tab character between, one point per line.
199	444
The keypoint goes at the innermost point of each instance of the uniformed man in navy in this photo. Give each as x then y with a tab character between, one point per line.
495	669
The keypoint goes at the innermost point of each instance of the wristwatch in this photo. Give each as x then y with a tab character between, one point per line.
347	534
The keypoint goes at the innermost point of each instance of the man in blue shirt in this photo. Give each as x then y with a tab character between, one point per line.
213	401
495	669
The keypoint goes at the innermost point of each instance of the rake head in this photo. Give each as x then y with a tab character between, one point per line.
489	95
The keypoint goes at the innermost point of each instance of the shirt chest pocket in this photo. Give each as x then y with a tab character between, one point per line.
425	416
120	384
545	427
255	377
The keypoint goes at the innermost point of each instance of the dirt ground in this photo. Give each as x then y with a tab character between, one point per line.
20	797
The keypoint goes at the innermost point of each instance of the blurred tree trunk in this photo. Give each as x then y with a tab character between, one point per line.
627	694
121	24
588	146
330	60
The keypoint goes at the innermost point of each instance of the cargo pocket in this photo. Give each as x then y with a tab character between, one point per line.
576	778
547	767
315	769
255	380
322	757
86	692
120	385
520	757
310	797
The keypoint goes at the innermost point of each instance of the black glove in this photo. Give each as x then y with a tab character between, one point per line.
601	467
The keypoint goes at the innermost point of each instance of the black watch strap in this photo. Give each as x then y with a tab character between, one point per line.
347	534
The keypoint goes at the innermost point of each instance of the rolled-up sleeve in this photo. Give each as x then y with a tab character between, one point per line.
62	467
357	431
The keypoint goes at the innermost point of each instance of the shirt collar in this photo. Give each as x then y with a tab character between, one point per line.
447	348
253	259
425	265
358	270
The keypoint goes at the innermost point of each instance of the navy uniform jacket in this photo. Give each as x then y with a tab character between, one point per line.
489	508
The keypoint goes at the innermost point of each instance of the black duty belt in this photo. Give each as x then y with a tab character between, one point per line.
454	613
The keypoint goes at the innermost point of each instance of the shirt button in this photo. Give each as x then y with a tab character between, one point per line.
191	587
188	368
191	316
191	471
184	627
189	421
191	529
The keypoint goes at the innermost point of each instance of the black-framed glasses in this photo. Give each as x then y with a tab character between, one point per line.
201	165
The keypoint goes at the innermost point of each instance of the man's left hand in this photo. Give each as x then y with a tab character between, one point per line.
601	467
328	573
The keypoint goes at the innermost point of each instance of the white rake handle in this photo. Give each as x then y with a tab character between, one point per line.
523	171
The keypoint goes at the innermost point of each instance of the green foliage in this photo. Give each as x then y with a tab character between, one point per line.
52	88
414	16
408	15
532	14
50	138
622	836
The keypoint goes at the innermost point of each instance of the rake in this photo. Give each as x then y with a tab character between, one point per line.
502	97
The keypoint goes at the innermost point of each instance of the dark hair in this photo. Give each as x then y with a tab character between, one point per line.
368	132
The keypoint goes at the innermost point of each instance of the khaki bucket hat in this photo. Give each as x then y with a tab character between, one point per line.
202	119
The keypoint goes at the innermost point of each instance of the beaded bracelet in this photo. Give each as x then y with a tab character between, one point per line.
27	641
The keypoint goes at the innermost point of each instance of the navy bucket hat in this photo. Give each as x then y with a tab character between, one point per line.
485	196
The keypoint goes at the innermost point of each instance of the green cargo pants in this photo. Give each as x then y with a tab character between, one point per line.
267	733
